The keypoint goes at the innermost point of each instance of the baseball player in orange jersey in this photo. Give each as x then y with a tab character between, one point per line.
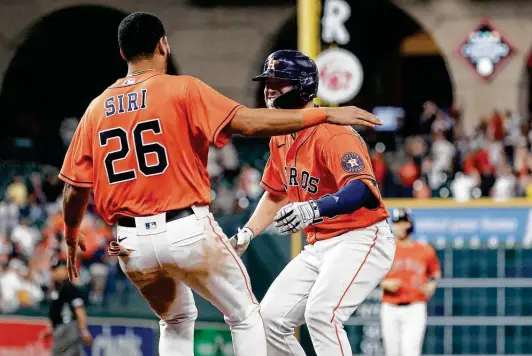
407	288
319	180
142	147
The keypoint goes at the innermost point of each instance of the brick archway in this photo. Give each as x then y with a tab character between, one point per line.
67	58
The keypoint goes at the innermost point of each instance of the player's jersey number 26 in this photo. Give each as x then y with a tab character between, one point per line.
141	151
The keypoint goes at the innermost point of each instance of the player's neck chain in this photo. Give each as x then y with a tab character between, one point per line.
138	72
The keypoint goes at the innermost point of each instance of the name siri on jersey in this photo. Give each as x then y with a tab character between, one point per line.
120	104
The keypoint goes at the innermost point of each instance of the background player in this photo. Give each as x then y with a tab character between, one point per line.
407	288
142	146
326	174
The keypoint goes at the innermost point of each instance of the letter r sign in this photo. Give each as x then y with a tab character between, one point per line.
335	14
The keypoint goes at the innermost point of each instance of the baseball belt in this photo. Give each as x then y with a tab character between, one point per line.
170	216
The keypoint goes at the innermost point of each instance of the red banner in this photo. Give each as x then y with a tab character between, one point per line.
22	337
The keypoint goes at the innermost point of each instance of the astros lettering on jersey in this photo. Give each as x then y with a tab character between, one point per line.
320	161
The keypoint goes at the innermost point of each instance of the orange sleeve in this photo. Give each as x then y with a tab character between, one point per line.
77	167
347	159
433	264
271	178
210	111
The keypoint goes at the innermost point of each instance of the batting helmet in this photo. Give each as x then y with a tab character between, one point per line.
296	67
403	214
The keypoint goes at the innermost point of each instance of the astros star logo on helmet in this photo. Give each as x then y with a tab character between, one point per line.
272	63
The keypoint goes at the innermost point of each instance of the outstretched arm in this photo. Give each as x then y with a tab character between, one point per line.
267	122
219	117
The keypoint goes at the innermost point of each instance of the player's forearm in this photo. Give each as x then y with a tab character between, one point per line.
75	202
81	318
266	122
350	198
263	215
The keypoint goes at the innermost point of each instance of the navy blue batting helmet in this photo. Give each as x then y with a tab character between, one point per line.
403	214
293	66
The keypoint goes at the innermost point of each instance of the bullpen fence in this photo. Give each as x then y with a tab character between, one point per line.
483	303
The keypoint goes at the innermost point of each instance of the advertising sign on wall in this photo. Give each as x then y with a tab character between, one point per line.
485	49
115	339
212	341
21	337
481	224
341	75
335	15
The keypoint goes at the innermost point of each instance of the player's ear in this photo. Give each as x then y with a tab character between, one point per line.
122	55
163	47
168	51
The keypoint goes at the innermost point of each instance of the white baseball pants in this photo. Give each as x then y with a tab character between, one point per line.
323	286
169	259
403	328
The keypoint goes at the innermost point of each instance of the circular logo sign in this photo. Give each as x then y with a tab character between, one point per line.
485	48
341	75
352	163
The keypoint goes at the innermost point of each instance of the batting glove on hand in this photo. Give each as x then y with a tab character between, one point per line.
295	217
241	240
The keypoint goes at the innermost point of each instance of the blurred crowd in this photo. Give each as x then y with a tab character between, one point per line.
235	185
438	162
31	228
443	162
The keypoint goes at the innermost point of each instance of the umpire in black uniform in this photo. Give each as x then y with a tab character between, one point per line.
67	314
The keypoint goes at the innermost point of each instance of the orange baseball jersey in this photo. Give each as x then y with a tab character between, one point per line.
142	145
413	265
319	161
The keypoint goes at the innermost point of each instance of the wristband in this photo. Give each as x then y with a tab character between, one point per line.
250	231
314	116
315	208
71	232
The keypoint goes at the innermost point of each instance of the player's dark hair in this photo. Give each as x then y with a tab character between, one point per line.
138	35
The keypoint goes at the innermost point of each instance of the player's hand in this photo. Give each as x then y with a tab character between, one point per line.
392	285
116	249
295	217
72	255
241	240
351	115
429	289
86	337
